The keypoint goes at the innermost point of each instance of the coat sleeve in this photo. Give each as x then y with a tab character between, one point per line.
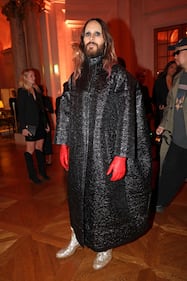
167	109
21	108
143	144
132	138
63	116
125	129
170	103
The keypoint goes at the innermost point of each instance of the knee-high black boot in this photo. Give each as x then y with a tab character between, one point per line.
30	168
41	163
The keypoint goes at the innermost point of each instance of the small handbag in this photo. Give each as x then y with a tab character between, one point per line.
31	129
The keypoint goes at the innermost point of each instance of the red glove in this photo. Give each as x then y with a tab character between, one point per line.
64	156
117	168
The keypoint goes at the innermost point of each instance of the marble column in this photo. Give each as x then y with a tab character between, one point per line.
18	39
32	32
50	50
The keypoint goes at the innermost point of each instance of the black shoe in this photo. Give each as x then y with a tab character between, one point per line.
160	209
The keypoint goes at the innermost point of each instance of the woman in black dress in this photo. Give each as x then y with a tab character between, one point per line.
32	122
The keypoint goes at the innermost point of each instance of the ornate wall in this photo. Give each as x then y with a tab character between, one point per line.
43	30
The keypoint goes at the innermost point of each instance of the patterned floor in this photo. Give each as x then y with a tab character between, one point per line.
34	224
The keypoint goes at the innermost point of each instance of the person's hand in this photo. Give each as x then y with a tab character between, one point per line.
26	133
161	106
117	168
159	130
64	156
47	129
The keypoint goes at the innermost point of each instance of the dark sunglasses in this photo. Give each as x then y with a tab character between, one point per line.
178	52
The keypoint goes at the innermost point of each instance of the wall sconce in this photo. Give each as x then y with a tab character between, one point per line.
56	69
1	104
1	107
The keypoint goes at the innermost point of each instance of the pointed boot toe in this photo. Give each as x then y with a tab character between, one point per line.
70	250
67	252
102	259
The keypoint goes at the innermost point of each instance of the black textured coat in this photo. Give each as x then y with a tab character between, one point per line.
99	118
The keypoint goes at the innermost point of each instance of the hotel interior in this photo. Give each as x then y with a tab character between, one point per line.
34	218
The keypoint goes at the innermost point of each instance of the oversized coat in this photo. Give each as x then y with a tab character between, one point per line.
100	117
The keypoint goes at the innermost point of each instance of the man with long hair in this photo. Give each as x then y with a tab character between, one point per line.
101	127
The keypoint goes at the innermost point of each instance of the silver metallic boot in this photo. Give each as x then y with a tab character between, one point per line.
102	259
71	248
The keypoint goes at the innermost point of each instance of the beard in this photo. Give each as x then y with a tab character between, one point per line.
93	50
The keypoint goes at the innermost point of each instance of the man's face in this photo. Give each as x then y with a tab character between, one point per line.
93	39
180	55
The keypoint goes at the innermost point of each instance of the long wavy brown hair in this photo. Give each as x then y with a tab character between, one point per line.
109	54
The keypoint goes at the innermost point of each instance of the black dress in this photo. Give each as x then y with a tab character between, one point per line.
31	112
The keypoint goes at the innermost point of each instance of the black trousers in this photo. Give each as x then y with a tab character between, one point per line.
174	171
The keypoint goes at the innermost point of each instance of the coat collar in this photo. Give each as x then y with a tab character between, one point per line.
93	61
